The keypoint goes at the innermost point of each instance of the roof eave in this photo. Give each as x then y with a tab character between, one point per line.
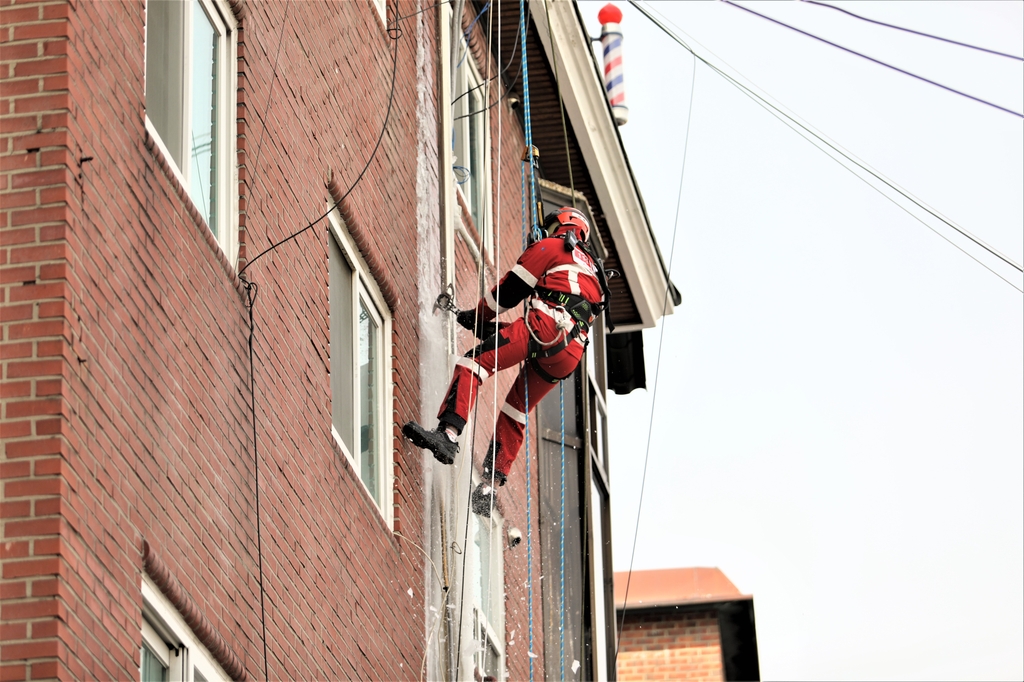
601	146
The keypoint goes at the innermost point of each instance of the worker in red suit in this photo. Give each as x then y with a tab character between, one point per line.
566	287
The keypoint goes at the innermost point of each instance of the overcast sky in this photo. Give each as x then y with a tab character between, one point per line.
839	423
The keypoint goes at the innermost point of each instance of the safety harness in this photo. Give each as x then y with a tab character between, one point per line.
580	309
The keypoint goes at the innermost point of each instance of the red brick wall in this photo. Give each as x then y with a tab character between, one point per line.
40	339
125	362
670	646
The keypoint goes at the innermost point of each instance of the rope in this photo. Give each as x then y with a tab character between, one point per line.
657	369
473	392
529	227
534	229
561	385
561	106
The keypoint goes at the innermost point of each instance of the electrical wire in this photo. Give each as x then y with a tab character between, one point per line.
872	59
910	30
266	105
251	291
508	90
444	589
657	367
801	128
561	105
394	33
485	83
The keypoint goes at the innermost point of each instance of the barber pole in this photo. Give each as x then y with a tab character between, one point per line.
611	40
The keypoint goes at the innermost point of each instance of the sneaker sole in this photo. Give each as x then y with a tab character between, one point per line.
417	439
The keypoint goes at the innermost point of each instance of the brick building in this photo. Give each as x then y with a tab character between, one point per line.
684	624
202	471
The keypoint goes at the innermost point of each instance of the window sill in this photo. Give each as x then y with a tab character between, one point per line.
170	170
203	628
340	449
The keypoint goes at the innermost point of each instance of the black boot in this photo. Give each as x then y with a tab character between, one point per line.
438	442
483	499
488	465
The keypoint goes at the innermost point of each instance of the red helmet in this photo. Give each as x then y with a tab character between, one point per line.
566	219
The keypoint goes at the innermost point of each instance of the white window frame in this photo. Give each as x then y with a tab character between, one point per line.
382	9
166	634
365	289
226	171
468	77
479	623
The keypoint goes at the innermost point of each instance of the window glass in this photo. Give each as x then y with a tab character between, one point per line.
359	365
470	146
342	381
484	548
152	668
203	142
369	350
600	610
477	171
190	104
163	73
487	658
487	580
171	650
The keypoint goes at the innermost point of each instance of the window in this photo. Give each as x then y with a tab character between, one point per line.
360	366
602	620
170	651
382	10
488	598
472	164
190	104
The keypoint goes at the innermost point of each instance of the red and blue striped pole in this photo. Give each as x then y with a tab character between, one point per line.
611	40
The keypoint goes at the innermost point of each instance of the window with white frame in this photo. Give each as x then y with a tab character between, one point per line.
487	579
382	10
190	104
471	146
170	651
360	327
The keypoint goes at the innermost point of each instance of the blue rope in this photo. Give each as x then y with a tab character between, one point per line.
529	222
528	124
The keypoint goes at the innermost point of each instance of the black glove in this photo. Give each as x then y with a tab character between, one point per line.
466	318
483	329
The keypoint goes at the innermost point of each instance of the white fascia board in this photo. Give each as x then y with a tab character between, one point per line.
587	108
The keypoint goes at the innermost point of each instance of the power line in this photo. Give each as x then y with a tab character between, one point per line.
508	90
657	368
910	30
251	290
394	33
266	106
797	125
872	59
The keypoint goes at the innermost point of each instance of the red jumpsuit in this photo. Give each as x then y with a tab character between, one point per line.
544	267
